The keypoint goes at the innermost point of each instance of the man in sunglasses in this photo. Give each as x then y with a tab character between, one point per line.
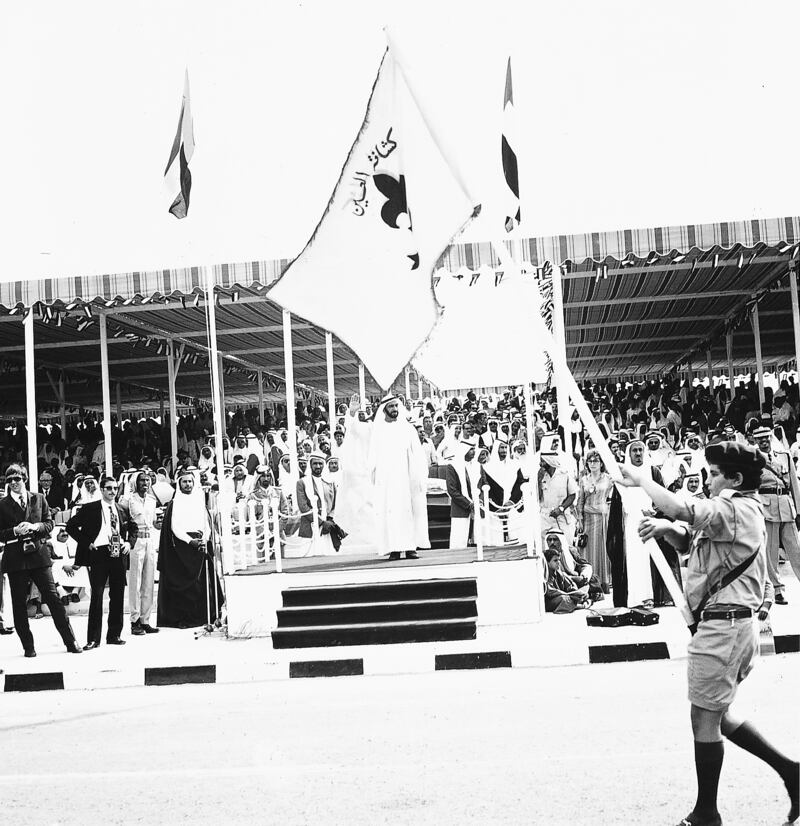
25	525
103	532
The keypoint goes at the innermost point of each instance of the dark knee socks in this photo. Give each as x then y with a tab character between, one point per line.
747	737
708	764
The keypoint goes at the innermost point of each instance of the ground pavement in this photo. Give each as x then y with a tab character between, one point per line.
579	745
556	641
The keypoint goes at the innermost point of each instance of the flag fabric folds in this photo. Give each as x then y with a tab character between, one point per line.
365	274
510	171
490	333
177	176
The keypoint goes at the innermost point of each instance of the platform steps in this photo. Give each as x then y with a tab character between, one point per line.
377	613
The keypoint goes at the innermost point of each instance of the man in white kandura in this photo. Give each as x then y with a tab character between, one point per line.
399	486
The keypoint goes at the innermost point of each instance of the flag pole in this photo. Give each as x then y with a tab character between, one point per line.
571	386
288	366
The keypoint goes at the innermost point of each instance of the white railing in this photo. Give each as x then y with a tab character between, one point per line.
511	524
249	533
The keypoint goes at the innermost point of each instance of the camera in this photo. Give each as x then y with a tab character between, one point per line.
28	546
114	545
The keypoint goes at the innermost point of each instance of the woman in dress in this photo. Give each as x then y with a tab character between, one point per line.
591	506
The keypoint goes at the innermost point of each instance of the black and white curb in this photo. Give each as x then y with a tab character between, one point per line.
358	666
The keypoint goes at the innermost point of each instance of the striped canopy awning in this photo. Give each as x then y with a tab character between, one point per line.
636	302
143	287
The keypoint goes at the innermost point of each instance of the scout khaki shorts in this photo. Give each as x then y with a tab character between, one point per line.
720	657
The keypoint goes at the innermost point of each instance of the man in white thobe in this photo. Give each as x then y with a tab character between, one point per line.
399	488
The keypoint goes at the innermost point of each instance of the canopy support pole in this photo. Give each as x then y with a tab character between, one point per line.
161	408
173	405
407	372
535	520
759	362
214	361
689	373
30	404
710	369
795	315
331	386
288	366
119	405
362	382
108	461
261	397
729	354
221	385
62	401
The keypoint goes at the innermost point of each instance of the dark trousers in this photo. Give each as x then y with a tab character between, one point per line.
42	578
105	569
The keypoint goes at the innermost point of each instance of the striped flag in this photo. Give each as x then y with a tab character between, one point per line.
365	275
177	177
510	170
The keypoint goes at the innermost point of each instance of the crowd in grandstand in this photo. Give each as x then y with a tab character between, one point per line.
476	448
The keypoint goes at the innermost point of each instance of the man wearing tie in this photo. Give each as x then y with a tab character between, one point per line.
103	534
25	525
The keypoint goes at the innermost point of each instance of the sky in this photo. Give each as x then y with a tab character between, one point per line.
629	114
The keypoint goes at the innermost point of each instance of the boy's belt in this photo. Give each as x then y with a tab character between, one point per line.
726	613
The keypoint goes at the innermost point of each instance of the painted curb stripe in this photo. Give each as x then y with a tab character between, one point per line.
631	652
478	659
46	681
787	644
326	668
181	674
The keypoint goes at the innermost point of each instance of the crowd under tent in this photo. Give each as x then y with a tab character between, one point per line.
636	304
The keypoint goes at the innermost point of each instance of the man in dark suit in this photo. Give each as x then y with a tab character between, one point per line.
25	525
103	532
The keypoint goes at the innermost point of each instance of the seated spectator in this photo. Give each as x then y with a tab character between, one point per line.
575	566
561	595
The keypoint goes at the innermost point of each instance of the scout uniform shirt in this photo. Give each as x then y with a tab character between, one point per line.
778	507
727	530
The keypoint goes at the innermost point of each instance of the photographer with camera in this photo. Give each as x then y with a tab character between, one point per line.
25	525
103	532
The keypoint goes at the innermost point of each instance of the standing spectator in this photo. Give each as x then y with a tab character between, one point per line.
141	507
594	490
459	489
558	490
321	534
25	524
185	595
777	490
103	534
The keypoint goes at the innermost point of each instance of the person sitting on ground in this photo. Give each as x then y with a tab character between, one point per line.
576	567
561	595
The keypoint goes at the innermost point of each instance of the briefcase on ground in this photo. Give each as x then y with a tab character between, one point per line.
644	616
609	617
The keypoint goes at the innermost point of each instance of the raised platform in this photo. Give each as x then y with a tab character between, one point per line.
259	599
360	562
